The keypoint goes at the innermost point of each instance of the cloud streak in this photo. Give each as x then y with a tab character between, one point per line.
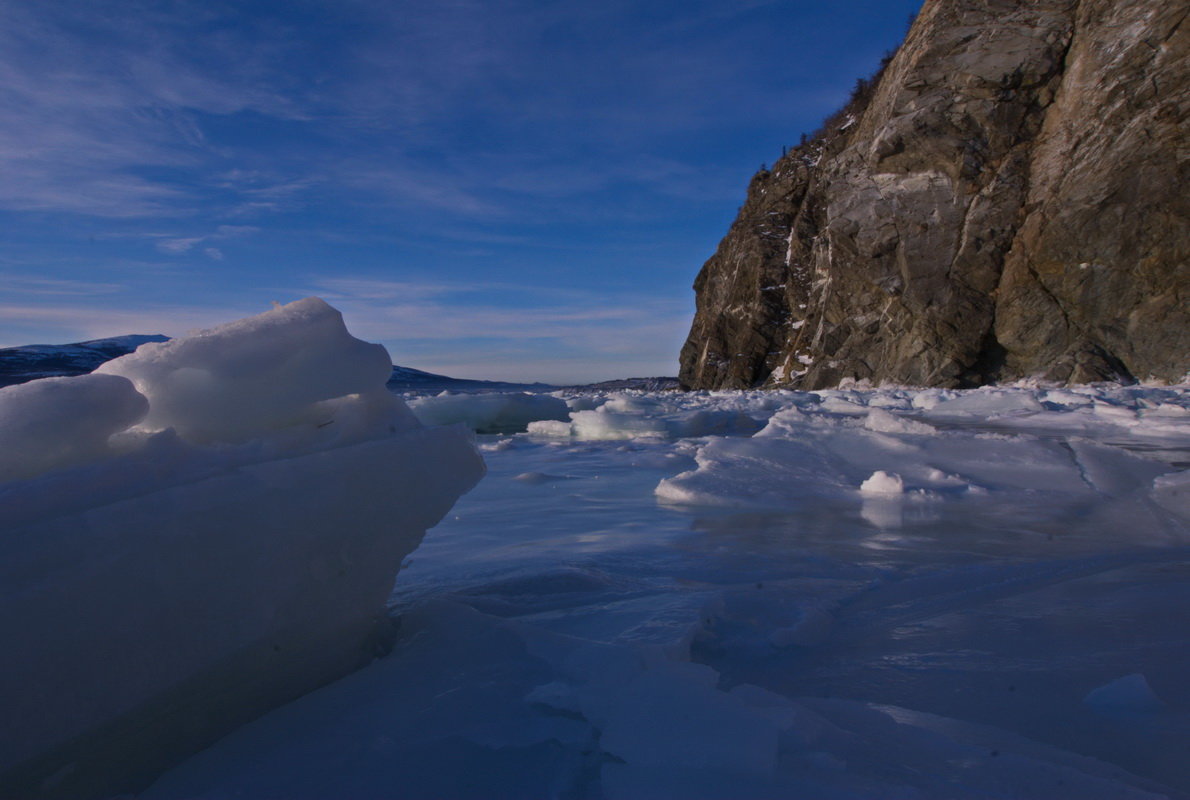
179	245
121	109
34	286
94	97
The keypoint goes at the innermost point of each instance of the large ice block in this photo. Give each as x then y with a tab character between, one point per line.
162	584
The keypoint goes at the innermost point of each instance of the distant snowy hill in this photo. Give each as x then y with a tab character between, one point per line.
640	384
26	363
32	361
407	379
29	362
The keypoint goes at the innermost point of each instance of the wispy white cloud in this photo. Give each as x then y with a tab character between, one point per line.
95	96
178	245
97	99
369	289
391	178
257	193
28	285
232	231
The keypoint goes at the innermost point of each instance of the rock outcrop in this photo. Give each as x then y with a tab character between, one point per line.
1007	199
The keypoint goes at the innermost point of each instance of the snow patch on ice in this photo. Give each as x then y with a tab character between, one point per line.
1130	693
883	484
1172	492
986	403
882	421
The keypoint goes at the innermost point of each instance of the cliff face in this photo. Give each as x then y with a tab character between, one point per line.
1011	198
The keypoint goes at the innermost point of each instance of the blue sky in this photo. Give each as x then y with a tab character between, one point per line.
513	189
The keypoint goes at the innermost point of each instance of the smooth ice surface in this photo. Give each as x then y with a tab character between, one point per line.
202	531
621	611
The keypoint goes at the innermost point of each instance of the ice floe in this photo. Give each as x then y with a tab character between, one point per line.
199	532
491	412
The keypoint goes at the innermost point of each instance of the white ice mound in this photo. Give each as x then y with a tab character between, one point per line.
163	584
809	454
987	403
63	422
641	416
615	420
882	421
490	413
883	484
257	374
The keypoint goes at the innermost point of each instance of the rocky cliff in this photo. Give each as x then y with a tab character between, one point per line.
1010	197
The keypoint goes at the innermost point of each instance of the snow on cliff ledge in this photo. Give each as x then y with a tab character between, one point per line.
196	533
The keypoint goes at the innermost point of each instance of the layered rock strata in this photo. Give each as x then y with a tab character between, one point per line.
1007	199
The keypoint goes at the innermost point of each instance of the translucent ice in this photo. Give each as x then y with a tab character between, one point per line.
56	423
178	557
254	375
490	413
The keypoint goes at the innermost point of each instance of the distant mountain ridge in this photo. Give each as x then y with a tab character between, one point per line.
407	379
635	384
33	361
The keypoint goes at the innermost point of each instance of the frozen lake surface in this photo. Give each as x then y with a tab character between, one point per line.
893	593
